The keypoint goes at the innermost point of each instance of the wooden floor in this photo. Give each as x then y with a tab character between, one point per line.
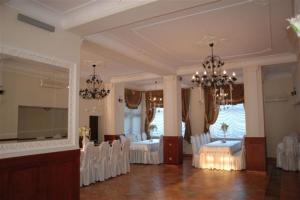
185	182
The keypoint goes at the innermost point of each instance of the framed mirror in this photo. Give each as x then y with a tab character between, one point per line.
37	103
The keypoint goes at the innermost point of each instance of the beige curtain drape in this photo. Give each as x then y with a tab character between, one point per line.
186	94
150	108
133	98
211	108
237	93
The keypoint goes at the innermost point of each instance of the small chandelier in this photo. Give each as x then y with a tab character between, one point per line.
155	100
214	77
95	88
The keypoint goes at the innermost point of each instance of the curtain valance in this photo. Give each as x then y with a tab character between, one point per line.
133	98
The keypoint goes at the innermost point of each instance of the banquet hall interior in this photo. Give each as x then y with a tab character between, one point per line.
149	99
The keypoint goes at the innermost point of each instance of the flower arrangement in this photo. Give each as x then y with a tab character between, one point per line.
84	131
224	128
295	24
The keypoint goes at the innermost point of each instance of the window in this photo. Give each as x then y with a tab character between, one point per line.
234	116
133	121
158	121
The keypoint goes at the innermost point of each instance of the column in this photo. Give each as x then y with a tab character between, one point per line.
255	141
113	117
172	120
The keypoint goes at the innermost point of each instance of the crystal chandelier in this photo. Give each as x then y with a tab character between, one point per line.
214	77
95	88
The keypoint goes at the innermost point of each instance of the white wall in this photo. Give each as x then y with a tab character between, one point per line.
280	117
60	44
114	110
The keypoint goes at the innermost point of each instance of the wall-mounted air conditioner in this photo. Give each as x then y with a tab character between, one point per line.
54	84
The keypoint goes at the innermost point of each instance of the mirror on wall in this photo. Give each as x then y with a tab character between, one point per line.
33	100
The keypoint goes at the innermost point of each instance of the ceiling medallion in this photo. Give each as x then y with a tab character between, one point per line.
95	87
214	77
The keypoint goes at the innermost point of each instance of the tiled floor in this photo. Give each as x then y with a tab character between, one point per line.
184	182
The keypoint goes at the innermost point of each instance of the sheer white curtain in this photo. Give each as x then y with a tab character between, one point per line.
234	116
133	121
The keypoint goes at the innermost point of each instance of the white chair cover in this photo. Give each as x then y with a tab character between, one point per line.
239	162
123	139
144	136
106	157
289	160
157	155
195	162
87	166
202	139
100	163
125	165
115	158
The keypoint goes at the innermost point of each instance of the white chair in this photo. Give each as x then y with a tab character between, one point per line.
198	141
202	139
238	159
86	166
100	163
287	153
106	157
208	138
196	157
123	139
157	156
144	136
115	166
125	157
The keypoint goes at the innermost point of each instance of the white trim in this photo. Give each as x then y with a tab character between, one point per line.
36	147
247	62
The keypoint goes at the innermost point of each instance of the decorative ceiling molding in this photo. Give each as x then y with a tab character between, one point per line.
243	63
65	11
154	65
134	77
138	33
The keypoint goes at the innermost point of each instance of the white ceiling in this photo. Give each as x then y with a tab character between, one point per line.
129	37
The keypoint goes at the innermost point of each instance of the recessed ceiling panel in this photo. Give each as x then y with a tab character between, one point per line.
239	29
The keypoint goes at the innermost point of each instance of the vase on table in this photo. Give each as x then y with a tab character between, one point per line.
224	128
224	139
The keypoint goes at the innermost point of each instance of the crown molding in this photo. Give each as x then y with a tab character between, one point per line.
242	63
134	77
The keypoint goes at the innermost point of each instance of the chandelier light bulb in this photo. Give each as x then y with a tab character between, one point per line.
224	72
205	73
197	73
233	74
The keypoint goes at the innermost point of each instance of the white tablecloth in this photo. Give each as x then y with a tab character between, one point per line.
146	145
141	152
218	155
229	147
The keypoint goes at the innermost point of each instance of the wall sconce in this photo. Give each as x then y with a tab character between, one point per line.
120	100
294	92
